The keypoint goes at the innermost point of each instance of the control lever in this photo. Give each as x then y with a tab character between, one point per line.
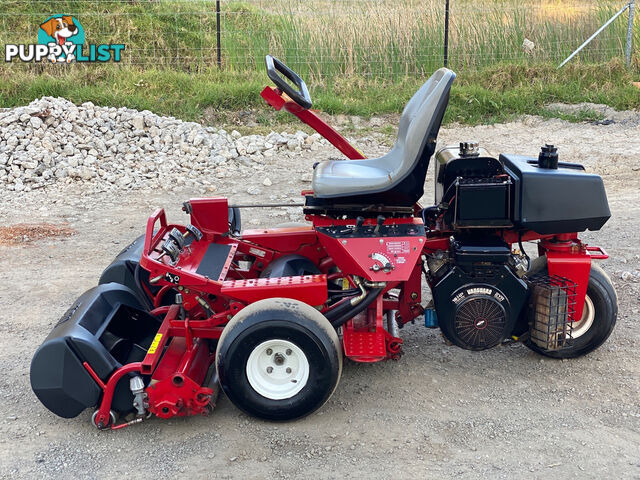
379	221
359	223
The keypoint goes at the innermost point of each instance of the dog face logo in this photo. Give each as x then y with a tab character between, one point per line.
60	28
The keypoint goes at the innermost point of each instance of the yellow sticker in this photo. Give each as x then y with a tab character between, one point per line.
154	344
345	283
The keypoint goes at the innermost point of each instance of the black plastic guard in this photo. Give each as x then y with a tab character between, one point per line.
122	269
106	327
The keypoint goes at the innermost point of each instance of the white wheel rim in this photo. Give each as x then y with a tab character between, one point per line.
277	369
583	325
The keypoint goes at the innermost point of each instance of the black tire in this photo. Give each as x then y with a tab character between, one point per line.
602	297
279	321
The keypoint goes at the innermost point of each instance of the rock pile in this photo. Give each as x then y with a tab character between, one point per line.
52	141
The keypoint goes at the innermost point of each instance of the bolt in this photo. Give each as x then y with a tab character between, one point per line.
288	370
269	369
278	359
288	352
269	351
414	295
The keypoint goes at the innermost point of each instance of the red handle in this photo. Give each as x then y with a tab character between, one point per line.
151	240
599	253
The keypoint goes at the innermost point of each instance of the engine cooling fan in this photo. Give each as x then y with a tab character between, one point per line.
480	322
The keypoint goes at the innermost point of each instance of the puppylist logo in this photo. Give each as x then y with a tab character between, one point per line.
61	39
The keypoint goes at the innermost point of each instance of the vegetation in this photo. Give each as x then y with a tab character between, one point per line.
359	57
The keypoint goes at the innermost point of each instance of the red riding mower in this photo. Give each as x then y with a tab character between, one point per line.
268	315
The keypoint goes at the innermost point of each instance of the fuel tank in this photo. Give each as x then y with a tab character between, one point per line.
555	200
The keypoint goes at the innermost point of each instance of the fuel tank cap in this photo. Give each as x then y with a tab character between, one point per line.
469	149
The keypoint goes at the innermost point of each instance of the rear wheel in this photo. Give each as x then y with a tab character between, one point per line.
598	316
279	359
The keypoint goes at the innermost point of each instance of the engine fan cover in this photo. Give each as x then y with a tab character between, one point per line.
480	322
478	316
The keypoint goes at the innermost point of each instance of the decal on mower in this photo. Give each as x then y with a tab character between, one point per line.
172	278
398	247
478	291
257	253
154	344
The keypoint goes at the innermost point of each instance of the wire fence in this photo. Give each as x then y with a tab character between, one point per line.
327	38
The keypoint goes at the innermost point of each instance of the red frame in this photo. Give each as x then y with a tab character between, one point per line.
179	358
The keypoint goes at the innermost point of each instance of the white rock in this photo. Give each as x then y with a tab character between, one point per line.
35	122
138	122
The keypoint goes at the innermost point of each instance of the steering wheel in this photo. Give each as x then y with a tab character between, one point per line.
276	70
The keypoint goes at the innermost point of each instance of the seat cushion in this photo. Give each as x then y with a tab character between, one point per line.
344	177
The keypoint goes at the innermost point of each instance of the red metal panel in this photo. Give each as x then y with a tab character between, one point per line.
176	386
574	267
311	289
361	256
365	339
210	215
364	345
281	239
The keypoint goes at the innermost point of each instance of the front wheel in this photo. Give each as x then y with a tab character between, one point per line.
598	316
279	359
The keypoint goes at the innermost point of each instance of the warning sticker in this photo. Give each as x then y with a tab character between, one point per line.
154	344
398	247
257	253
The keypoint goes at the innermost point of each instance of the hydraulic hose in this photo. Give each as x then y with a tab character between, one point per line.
144	296
346	305
337	311
360	307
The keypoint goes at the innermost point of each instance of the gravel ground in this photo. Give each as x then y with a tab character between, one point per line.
439	412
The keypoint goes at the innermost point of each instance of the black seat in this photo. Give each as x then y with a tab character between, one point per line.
397	178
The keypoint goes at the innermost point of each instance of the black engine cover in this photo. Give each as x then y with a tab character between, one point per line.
479	299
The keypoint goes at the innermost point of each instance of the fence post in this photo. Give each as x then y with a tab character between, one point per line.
630	31
446	33
218	46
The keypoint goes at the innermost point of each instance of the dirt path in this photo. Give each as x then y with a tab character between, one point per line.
439	412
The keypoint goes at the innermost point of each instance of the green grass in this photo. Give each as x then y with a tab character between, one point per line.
495	94
358	57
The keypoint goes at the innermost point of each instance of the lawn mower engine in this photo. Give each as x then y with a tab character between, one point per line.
478	291
477	294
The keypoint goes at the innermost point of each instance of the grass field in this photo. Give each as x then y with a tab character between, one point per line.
360	57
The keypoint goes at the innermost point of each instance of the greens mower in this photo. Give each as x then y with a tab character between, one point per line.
269	314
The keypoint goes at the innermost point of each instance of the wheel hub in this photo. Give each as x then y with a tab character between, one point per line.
583	325
277	369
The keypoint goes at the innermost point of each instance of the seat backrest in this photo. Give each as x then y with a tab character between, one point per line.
421	120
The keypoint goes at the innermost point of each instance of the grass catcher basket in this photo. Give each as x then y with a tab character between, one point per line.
551	312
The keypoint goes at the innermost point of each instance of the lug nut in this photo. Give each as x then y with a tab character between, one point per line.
269	369
288	370
269	351
288	352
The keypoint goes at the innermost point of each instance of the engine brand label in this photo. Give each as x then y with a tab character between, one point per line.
478	291
154	344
